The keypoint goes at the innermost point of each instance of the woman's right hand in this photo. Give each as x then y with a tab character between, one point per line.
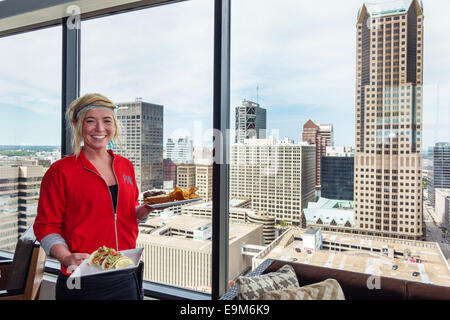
74	259
67	258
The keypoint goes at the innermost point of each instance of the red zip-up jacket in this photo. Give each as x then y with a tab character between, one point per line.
75	202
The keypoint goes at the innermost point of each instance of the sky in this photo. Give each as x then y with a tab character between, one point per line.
300	54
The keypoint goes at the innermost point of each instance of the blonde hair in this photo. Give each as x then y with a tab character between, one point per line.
77	124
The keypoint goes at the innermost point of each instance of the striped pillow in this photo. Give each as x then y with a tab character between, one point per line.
325	290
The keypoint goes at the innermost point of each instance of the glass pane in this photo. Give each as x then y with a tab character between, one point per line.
30	125
157	65
332	133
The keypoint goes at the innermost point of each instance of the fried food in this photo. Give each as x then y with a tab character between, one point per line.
178	194
162	198
153	193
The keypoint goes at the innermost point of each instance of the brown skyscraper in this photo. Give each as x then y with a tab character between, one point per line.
388	168
320	135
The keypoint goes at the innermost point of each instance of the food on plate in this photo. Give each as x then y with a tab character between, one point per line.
123	263
179	194
108	259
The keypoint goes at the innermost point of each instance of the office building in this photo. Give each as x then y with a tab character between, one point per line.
197	175
186	176
142	141
169	173
239	212
202	155
19	195
322	136
278	176
250	121
180	150
177	250
388	158
203	181
337	173
439	173
441	209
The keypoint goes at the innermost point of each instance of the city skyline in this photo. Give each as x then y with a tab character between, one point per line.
267	55
346	99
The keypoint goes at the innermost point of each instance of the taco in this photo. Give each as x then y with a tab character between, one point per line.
108	258
98	256
122	262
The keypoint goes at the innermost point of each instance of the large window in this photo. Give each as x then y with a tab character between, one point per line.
304	99
30	125
308	81
156	64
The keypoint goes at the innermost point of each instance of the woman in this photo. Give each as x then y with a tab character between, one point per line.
90	199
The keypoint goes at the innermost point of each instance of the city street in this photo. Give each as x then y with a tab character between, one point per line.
434	234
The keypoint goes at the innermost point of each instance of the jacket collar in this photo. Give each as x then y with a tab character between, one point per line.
87	164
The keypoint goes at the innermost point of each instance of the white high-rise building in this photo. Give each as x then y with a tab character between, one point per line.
278	176
202	155
180	151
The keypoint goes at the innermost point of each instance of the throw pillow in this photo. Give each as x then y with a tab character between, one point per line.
251	288
325	290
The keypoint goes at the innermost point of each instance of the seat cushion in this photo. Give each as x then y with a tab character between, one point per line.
251	288
324	290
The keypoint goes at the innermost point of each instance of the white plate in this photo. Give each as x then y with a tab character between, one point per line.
172	203
85	269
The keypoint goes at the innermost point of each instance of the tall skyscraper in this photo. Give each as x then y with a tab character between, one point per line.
388	167
278	176
250	121
439	175
321	135
142	141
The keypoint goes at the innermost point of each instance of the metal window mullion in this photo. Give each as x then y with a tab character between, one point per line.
221	124
71	53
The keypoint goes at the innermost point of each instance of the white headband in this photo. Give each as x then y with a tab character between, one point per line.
87	108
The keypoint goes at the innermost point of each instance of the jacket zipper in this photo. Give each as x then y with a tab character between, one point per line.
117	204
114	211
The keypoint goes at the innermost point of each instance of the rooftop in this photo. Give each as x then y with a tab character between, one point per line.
364	254
380	9
150	232
328	210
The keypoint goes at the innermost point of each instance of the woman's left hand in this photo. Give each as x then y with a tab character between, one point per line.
143	211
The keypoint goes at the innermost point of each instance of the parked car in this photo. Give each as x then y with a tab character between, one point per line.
416	274
394	267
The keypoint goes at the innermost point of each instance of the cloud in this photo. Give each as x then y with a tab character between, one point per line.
300	53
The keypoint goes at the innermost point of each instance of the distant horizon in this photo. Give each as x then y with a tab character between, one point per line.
59	146
288	59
